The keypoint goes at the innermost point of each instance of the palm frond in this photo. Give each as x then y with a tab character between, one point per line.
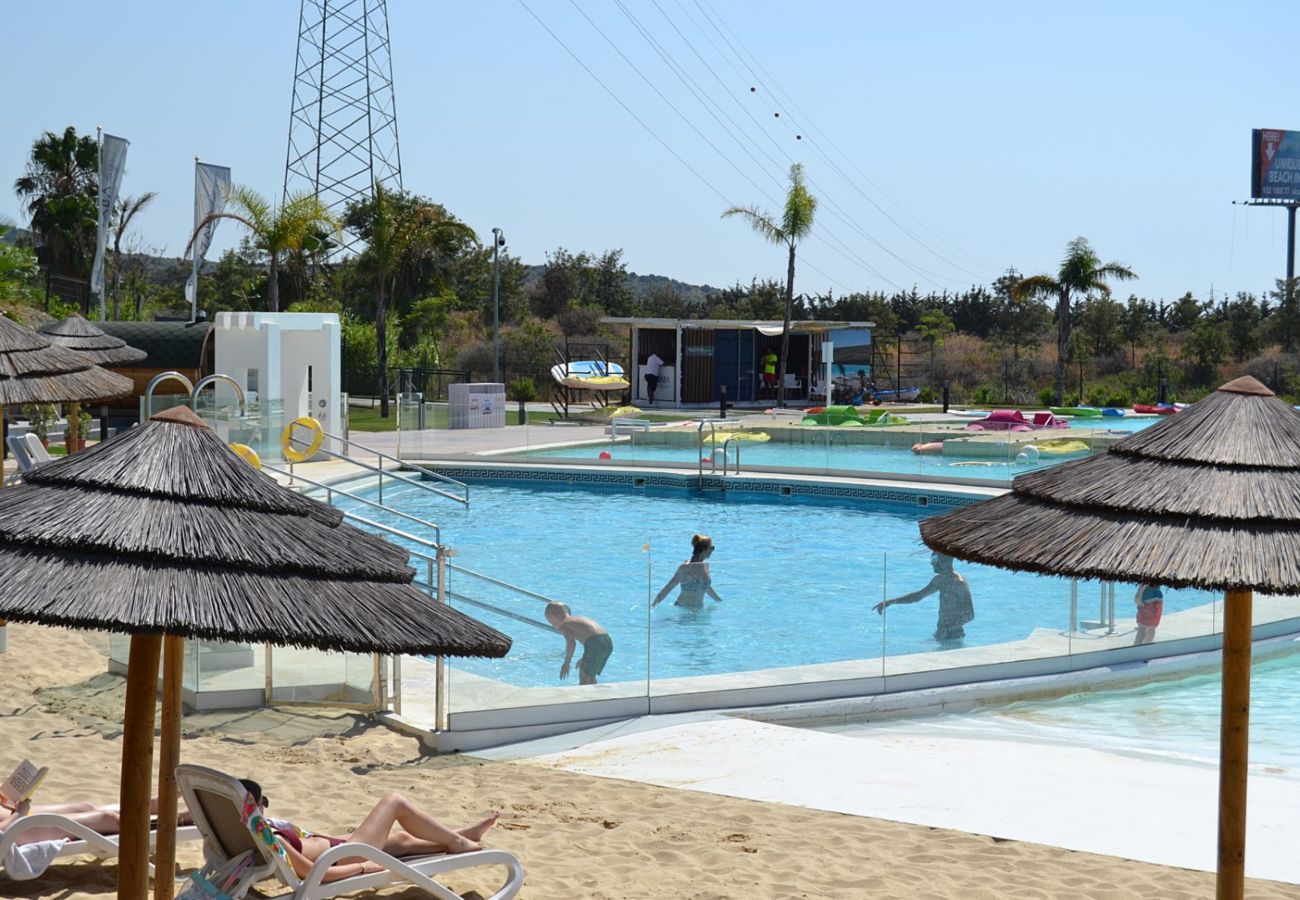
762	222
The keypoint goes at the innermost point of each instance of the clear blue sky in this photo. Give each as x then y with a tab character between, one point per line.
993	132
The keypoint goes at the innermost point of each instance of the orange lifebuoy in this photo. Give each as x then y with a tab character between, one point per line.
289	445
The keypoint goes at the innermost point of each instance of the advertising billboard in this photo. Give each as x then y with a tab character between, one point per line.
1275	164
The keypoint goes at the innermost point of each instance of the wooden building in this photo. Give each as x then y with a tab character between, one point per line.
701	357
185	347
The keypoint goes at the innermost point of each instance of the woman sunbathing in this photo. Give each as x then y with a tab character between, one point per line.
395	825
101	819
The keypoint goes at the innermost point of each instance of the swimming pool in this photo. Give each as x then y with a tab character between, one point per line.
1176	720
828	450
799	579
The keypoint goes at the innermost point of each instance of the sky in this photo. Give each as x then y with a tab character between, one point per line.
945	141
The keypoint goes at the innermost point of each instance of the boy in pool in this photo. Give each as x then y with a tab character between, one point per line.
1150	602
596	642
955	606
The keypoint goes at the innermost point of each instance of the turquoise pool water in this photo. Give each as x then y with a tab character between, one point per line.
798	579
1171	719
856	457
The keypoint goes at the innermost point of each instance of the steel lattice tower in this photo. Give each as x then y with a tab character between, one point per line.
343	120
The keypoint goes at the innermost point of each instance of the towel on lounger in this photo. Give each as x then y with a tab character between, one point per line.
24	862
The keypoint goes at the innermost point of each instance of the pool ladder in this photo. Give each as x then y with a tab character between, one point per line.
713	459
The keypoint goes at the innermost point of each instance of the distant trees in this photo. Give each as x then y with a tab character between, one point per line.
59	189
127	209
301	225
1081	272
795	224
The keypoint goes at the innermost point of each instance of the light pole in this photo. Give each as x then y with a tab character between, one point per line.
498	241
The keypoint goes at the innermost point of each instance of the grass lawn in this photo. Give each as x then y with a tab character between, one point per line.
362	418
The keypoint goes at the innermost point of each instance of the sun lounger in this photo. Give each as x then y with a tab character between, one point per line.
18	447
40	456
232	838
83	841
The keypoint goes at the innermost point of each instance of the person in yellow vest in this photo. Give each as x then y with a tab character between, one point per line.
769	369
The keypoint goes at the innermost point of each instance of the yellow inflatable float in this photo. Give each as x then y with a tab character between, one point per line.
721	437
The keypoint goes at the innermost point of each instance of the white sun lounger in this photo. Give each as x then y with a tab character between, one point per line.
217	802
83	840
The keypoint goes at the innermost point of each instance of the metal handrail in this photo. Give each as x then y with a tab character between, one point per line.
630	424
331	490
461	598
725	445
436	476
213	379
499	583
381	471
699	466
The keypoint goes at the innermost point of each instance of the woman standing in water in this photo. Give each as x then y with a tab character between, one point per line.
693	576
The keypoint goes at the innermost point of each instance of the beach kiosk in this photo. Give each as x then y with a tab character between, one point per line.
702	357
288	364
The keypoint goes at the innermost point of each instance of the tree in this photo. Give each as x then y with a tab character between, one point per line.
1137	325
1286	317
1204	349
1242	321
796	222
1100	321
1017	321
1081	272
400	231
18	270
301	224
1185	313
59	188
127	209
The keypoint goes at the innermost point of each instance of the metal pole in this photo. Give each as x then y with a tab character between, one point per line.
440	712
102	236
498	239
1234	731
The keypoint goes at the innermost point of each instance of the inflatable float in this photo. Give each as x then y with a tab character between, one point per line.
1014	420
721	437
590	375
1059	447
1079	412
619	412
969	413
1160	409
906	395
1113	411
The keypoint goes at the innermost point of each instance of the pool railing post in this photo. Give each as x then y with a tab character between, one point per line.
1074	605
440	716
884	612
1111	593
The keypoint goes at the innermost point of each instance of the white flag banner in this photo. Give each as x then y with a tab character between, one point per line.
211	184
112	163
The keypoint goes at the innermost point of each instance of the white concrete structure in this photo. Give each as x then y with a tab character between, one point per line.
294	358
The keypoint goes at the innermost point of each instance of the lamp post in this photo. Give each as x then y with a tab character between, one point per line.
498	241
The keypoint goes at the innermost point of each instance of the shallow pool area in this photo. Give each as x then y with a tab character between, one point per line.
1174	720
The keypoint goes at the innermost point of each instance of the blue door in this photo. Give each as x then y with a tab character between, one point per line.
746	372
726	347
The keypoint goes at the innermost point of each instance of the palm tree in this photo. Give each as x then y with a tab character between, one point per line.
796	222
127	209
1081	272
59	188
301	224
401	232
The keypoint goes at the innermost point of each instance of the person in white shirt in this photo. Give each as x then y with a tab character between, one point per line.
651	369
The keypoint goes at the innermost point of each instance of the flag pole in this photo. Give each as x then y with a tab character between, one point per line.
102	236
194	274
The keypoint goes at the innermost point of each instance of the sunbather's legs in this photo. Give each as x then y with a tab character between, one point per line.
63	809
419	832
102	821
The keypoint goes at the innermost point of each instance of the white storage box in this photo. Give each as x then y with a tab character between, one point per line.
477	405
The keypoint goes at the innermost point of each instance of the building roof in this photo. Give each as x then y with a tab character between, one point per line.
769	327
170	345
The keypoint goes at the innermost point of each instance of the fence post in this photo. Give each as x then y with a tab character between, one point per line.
440	712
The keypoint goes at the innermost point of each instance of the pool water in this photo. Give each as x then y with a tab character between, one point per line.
1171	719
798	579
855	457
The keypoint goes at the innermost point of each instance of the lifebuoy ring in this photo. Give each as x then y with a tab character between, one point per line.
248	455
289	446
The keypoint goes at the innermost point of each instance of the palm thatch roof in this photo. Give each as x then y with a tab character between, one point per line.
32	370
75	333
163	530
1209	497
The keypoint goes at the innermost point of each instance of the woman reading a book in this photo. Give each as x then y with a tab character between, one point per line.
101	819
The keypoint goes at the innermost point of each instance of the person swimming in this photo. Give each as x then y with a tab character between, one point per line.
955	606
693	576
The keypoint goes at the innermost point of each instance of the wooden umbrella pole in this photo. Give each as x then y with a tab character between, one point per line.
1234	744
73	428
137	766
169	752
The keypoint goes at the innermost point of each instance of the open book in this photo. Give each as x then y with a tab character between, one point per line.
23	782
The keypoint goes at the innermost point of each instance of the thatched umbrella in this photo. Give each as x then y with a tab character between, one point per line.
34	371
76	334
1207	498
163	532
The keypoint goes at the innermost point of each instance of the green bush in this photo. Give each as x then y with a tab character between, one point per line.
523	390
1120	400
926	396
1047	396
985	395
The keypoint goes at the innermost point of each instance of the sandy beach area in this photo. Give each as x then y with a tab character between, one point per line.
578	836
